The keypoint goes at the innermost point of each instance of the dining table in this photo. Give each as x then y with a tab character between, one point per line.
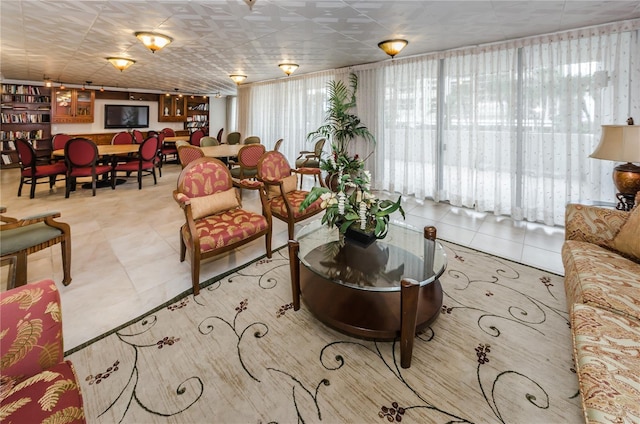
174	138
222	150
107	150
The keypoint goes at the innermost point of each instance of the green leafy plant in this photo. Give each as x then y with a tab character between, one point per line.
341	126
354	204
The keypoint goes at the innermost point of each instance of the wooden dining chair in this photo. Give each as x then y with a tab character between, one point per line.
188	154
81	157
276	147
145	162
122	137
233	138
309	161
252	139
138	137
31	171
194	138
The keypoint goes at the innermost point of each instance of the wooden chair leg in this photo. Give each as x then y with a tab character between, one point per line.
65	246
32	193
195	274
20	186
290	225
21	268
183	247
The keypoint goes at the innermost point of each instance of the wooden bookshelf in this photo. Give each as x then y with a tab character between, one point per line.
26	113
197	113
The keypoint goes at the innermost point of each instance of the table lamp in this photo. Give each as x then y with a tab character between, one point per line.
621	143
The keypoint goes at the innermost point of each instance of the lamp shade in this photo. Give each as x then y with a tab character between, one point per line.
619	143
288	68
238	78
153	41
121	63
392	47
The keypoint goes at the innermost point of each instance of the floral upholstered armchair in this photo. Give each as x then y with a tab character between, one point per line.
215	220
280	182
36	385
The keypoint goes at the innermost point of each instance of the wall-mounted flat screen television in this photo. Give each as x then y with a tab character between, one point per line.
126	116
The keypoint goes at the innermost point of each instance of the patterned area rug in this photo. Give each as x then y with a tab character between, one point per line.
500	351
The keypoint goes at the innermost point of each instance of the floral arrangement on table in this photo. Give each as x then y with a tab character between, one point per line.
347	199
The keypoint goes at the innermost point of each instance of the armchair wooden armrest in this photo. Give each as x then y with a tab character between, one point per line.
593	224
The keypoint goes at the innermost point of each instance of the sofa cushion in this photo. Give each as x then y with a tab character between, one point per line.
606	347
50	396
627	240
601	277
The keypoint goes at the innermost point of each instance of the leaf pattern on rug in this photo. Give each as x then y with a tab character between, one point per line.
500	351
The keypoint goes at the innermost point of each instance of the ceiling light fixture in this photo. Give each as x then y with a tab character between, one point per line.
392	47
217	95
153	41
288	68
47	81
62	86
102	88
121	63
238	78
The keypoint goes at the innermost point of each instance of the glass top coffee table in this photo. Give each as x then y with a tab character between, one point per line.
385	290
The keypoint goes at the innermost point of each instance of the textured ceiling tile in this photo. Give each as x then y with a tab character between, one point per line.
69	40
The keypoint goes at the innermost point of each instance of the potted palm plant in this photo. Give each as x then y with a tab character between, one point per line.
349	203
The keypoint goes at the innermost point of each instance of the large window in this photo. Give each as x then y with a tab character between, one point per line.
506	128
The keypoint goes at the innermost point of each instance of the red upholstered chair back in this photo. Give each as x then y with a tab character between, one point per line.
122	137
168	132
137	136
59	140
80	152
273	166
188	154
26	153
161	137
249	155
204	176
195	137
149	149
219	135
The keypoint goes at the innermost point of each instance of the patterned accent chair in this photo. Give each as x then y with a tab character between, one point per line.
31	172
81	155
144	164
22	237
248	158
189	153
38	385
280	182
601	257
215	220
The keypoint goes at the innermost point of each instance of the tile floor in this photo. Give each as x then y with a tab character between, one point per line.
125	246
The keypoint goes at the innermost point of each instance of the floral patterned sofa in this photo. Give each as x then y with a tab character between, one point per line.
36	384
601	257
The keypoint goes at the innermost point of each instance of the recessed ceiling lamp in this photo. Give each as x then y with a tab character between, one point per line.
288	68
238	78
393	47
153	41
121	63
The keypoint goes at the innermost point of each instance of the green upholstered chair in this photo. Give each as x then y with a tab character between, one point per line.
207	140
21	237
233	138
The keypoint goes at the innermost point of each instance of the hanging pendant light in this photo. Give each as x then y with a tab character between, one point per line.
153	41
288	68
392	47
121	63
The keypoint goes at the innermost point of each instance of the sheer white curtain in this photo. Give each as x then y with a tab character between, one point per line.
479	142
506	128
572	84
289	109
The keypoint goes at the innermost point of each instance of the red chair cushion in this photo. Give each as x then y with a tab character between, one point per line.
35	342
227	228
44	170
133	166
50	396
86	172
295	198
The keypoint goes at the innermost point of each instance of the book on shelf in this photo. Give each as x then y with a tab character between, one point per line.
6	160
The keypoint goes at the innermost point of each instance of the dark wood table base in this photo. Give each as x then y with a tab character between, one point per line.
380	315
